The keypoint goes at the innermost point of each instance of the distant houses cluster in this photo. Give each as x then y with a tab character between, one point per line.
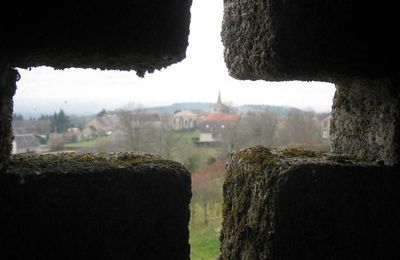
212	126
100	126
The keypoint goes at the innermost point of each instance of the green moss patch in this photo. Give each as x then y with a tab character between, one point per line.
257	157
297	152
76	162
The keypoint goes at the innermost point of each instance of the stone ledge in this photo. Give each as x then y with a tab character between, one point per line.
123	35
106	206
295	204
314	40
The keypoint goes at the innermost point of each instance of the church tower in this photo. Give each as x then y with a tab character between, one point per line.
219	107
219	101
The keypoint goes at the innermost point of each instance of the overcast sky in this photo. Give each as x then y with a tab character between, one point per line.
196	79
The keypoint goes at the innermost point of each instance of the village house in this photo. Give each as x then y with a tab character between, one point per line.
217	123
189	119
98	126
73	134
325	125
25	143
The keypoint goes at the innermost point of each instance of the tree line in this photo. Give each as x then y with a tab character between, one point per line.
296	128
59	122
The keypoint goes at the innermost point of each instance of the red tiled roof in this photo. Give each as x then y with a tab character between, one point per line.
219	117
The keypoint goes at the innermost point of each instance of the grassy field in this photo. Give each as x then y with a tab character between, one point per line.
204	239
87	144
204	242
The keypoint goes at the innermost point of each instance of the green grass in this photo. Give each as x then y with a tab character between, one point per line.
188	136
87	144
204	242
204	239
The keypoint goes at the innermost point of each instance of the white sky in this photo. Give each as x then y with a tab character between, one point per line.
196	79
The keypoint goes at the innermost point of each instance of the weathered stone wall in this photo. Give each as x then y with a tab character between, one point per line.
114	206
296	204
277	207
8	78
366	120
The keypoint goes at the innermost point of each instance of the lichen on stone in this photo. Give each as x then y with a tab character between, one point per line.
257	157
297	152
78	162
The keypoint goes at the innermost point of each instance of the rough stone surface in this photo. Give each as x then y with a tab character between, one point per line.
140	35
314	40
8	78
295	204
105	206
366	120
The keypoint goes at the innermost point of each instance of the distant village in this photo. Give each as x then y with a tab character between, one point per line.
223	124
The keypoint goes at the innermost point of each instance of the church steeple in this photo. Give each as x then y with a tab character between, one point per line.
219	107
219	101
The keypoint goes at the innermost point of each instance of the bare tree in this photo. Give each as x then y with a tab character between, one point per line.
166	141
207	187
132	128
259	128
299	127
231	136
138	133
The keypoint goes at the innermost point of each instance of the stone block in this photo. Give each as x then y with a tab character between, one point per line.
365	120
125	35
105	206
316	40
295	204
